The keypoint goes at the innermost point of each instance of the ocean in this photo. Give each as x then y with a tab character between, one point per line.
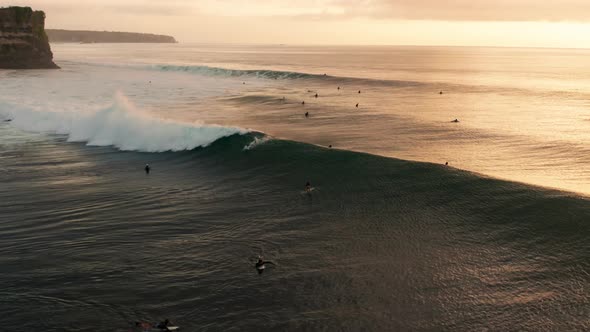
389	239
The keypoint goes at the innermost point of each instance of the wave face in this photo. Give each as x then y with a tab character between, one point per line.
121	125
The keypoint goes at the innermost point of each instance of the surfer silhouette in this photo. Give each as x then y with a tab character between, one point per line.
147	169
163	325
261	265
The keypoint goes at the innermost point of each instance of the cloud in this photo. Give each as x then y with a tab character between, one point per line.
435	10
150	10
432	10
123	7
475	10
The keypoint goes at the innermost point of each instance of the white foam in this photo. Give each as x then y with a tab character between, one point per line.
256	142
121	125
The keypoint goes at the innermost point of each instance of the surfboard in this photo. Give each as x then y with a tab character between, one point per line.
308	191
170	328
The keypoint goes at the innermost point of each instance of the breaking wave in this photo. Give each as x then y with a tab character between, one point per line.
121	125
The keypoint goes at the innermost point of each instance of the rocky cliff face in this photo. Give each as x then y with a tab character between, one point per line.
23	41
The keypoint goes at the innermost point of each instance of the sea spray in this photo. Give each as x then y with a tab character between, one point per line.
122	125
256	142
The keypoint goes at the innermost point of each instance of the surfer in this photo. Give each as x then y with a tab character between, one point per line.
307	114
261	265
441	92
163	325
7	120
316	95
357	105
455	121
147	169
447	163
330	146
359	91
338	88
308	186
303	102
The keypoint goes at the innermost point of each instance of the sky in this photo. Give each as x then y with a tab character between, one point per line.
521	23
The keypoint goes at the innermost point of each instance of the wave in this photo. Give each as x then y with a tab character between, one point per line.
121	125
283	75
259	73
361	178
217	71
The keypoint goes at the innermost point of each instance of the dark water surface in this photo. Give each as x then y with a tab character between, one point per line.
89	242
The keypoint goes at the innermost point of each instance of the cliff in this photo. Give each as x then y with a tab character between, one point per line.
23	42
72	36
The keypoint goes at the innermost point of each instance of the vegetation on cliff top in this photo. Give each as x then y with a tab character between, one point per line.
24	14
25	45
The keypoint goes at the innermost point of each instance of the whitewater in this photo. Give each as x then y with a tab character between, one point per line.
122	125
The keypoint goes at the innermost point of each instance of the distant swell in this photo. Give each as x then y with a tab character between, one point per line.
215	71
122	125
262	74
277	74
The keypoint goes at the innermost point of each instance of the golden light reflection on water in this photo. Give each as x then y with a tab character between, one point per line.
71	180
510	137
524	114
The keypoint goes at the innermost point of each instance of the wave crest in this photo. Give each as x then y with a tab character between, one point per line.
122	125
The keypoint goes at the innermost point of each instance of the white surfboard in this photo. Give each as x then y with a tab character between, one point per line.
170	328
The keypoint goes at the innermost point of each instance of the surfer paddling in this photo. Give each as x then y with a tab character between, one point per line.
161	326
261	264
164	325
